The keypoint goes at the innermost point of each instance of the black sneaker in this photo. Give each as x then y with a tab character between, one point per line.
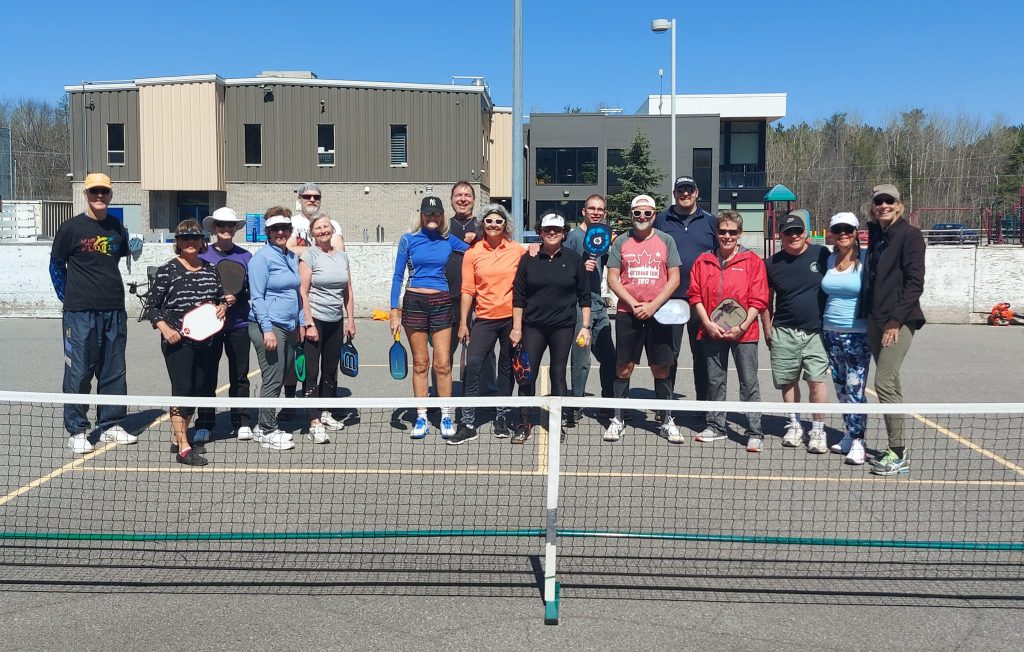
463	434
524	431
501	429
191	458
198	448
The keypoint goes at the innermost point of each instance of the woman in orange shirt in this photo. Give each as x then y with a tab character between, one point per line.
488	271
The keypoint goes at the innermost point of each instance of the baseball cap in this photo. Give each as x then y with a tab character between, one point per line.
792	221
844	218
552	219
97	180
431	206
684	181
642	200
278	219
885	189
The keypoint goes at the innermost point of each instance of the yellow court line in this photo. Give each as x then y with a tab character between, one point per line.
963	441
70	466
525	473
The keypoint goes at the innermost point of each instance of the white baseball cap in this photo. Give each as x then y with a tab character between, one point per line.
552	219
642	200
844	218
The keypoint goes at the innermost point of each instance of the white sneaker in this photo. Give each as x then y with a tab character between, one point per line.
670	431
201	436
277	440
818	442
794	435
856	454
79	444
754	443
330	423
447	427
318	434
843	446
244	433
118	435
614	431
709	434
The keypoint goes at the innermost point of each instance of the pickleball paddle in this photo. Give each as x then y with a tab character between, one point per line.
398	359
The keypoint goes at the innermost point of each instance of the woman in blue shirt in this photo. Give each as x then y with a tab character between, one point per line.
426	309
846	339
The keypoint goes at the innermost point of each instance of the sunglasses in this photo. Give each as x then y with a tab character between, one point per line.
433	213
496	221
277	228
98	191
552	229
190	237
686	190
224	225
878	201
647	213
843	229
310	197
728	231
793	232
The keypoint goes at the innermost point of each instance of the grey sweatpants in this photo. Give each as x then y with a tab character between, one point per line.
716	355
272	368
888	361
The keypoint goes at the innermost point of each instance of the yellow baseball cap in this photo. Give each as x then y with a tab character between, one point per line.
97	180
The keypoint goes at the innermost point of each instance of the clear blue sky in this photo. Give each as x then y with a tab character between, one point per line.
871	58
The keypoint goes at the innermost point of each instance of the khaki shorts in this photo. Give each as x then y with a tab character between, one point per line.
795	350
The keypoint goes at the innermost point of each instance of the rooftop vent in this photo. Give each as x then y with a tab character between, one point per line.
291	74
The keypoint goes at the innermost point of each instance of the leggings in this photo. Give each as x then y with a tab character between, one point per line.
558	341
850	357
322	359
482	337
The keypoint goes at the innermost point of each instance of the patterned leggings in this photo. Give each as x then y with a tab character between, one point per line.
850	357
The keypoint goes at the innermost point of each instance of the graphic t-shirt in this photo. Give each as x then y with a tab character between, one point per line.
91	250
643	265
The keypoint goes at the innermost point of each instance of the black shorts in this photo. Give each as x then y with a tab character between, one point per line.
633	336
427	312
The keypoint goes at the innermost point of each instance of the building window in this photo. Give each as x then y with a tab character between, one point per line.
253	145
325	145
567	165
399	146
702	176
742	154
614	159
115	143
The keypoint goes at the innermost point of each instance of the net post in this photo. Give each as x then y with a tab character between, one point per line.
551	584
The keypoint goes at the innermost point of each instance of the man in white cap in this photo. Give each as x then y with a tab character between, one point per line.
85	275
643	272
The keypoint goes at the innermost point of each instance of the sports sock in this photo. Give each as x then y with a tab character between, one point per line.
818	425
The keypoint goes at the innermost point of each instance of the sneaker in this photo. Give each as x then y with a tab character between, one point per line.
318	434
201	436
244	433
891	464
330	423
421	429
709	434
524	431
794	435
856	454
277	440
448	428
844	444
463	434
817	442
501	429
669	430
118	435
614	431
79	444
191	458
754	443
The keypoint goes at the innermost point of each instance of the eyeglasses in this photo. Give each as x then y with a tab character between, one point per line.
885	199
98	191
495	221
686	190
595	209
310	197
728	231
842	229
648	214
277	228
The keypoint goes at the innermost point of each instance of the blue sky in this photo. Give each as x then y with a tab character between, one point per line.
870	59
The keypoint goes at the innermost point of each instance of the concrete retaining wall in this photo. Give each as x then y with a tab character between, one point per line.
961	286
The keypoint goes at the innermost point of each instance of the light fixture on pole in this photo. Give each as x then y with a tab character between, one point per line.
664	25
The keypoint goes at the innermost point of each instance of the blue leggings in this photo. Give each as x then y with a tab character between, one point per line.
850	357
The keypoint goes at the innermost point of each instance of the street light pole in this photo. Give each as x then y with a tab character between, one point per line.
663	25
517	119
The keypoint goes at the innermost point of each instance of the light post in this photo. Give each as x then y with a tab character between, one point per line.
664	25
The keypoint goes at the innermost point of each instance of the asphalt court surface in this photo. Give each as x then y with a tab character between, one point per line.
954	493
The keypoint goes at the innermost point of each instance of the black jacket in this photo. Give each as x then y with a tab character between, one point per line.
894	275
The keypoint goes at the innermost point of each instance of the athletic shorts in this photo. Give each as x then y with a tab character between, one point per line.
633	336
795	350
427	312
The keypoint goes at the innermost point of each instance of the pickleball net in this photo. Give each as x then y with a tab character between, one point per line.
376	511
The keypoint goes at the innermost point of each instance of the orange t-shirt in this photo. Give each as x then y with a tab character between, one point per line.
488	273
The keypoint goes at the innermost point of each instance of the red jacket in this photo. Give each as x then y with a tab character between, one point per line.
743	278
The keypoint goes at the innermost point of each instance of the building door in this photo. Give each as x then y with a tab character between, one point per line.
193	206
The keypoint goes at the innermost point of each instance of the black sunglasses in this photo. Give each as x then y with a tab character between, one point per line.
98	191
884	199
310	197
728	231
842	229
279	227
190	236
686	190
224	225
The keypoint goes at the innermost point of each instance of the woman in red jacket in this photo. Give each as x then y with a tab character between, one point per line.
737	275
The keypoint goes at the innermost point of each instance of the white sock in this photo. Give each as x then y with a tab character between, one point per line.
818	425
794	418
446	412
421	412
